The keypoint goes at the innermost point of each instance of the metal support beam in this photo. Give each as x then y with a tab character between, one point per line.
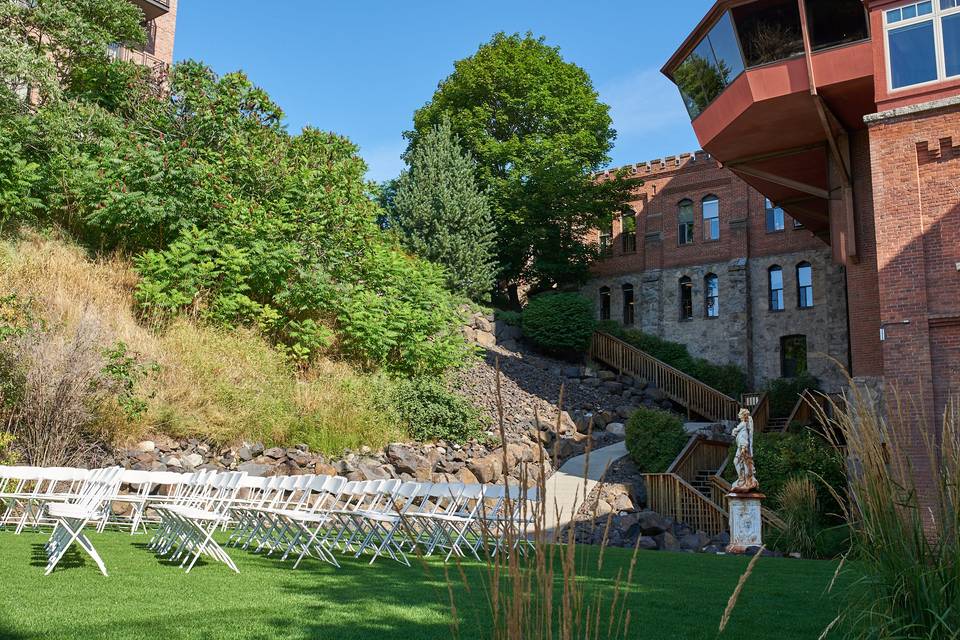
763	157
784	182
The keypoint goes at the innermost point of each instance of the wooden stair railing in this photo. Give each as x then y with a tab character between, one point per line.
685	390
670	495
700	454
760	413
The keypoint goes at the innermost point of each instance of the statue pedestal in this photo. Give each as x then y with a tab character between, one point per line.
745	521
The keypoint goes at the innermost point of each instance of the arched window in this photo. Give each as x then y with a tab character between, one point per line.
711	218
628	305
686	298
774	217
711	289
628	231
685	222
775	278
793	356
604	303
804	285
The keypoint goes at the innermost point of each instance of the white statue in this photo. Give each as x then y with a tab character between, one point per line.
743	459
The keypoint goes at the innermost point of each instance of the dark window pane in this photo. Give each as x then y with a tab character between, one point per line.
685	222
912	56
951	44
793	356
834	22
686	299
628	305
604	303
769	31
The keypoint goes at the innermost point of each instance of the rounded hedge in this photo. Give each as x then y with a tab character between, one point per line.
654	439
560	323
432	412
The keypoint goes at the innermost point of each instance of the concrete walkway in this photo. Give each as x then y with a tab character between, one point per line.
567	489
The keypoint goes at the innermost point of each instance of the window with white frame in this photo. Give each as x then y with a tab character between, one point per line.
923	42
774	217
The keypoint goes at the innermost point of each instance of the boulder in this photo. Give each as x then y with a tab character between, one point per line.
448	465
193	460
245	453
694	541
405	460
651	523
487	469
324	469
481	323
172	461
613	386
484	339
606	376
622	502
372	471
146	446
655	394
277	453
617	429
465	476
666	542
647	543
254	469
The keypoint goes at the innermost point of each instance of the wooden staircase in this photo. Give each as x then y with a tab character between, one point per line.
695	396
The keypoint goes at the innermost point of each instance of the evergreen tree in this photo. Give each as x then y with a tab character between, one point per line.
442	215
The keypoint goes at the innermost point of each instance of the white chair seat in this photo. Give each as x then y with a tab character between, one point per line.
301	516
193	513
64	510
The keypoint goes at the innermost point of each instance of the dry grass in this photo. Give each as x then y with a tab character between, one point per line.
903	508
215	384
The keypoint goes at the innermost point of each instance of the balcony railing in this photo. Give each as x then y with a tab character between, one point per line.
126	54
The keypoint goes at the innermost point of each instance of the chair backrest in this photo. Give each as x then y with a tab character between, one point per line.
99	488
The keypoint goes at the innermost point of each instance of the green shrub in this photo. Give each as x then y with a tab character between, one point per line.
7	454
559	323
779	457
512	318
432	412
729	379
784	392
800	510
654	439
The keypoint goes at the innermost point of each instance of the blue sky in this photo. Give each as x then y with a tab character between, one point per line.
362	68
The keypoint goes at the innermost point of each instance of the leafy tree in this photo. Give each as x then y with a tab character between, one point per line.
49	45
442	216
538	132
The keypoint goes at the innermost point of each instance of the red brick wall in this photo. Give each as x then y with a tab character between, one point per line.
166	28
863	294
916	171
742	219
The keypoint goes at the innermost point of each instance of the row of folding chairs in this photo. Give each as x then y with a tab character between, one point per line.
306	515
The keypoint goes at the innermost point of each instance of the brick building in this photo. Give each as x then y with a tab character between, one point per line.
160	24
846	113
706	260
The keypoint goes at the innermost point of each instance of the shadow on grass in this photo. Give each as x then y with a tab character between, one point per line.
74	558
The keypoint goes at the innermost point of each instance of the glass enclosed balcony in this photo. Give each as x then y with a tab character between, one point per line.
761	33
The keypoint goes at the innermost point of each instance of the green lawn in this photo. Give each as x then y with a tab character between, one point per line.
676	597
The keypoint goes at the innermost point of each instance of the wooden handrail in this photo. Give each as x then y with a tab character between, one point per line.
761	413
670	495
700	454
680	387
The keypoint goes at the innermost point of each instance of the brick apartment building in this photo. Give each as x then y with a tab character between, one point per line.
846	113
160	24
704	259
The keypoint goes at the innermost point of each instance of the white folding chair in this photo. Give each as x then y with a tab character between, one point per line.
72	516
308	522
192	523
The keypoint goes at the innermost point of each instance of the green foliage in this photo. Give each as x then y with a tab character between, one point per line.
512	318
785	392
442	215
537	130
800	510
7	454
560	323
432	412
729	379
231	219
46	45
18	176
784	456
654	439
127	371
